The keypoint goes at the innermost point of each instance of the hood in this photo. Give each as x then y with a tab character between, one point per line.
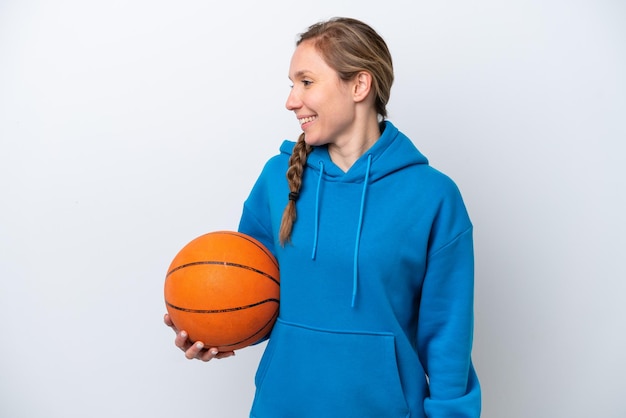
392	152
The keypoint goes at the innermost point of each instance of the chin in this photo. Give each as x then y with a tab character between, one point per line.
314	141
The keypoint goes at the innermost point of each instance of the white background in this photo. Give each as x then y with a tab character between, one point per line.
128	128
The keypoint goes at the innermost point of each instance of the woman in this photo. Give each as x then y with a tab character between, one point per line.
375	250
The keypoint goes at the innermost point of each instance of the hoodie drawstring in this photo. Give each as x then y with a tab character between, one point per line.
317	211
355	273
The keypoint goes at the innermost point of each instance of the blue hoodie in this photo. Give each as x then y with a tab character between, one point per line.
376	310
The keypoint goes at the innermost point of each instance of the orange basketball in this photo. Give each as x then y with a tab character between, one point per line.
223	289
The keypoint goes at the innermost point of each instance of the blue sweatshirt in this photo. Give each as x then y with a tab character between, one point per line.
376	309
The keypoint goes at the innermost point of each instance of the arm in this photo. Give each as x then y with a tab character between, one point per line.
259	219
446	330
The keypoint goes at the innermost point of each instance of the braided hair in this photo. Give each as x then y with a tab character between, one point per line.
349	46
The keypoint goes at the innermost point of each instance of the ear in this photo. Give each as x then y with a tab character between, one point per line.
362	86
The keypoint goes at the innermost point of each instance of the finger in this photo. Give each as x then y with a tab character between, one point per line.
213	353
169	323
208	355
182	341
196	350
224	354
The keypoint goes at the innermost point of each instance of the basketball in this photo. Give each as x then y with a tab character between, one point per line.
223	289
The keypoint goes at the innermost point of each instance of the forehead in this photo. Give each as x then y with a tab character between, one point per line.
306	60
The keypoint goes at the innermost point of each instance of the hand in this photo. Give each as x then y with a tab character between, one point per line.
195	350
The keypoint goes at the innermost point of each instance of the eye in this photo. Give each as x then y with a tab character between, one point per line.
304	82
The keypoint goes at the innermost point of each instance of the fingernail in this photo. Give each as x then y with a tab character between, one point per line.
199	345
214	352
183	334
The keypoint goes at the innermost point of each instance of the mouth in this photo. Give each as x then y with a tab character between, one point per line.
306	119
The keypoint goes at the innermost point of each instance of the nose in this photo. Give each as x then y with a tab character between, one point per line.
293	101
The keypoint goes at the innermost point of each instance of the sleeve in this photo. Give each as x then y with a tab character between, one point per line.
263	209
256	218
446	317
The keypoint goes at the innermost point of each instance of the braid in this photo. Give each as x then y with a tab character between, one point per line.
297	162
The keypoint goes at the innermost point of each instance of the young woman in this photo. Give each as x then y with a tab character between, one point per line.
374	246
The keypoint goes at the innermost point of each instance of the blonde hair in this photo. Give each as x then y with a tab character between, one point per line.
348	46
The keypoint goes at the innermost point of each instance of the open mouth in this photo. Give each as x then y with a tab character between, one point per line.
307	120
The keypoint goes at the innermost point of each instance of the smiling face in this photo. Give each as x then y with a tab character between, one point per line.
324	104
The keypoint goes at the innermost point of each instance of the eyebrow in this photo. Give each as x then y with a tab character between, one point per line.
299	74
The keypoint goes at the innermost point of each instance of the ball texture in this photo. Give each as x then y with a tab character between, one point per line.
223	288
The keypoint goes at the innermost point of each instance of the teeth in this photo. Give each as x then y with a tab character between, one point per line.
305	120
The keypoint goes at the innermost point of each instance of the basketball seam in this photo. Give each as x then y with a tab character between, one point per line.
271	320
240	235
225	263
223	310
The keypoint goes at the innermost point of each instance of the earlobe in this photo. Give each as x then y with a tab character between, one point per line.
362	85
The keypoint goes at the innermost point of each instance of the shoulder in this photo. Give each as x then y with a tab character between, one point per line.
286	148
430	181
276	166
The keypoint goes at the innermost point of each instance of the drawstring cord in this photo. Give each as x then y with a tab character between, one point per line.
355	273
317	211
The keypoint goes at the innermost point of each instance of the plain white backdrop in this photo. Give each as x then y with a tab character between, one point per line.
127	128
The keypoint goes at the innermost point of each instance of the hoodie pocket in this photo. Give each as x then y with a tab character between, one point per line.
307	372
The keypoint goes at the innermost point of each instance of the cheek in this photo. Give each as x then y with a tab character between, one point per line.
317	101
340	110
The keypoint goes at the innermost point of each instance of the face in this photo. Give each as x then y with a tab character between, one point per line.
321	101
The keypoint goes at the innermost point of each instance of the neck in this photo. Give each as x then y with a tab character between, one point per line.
345	154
